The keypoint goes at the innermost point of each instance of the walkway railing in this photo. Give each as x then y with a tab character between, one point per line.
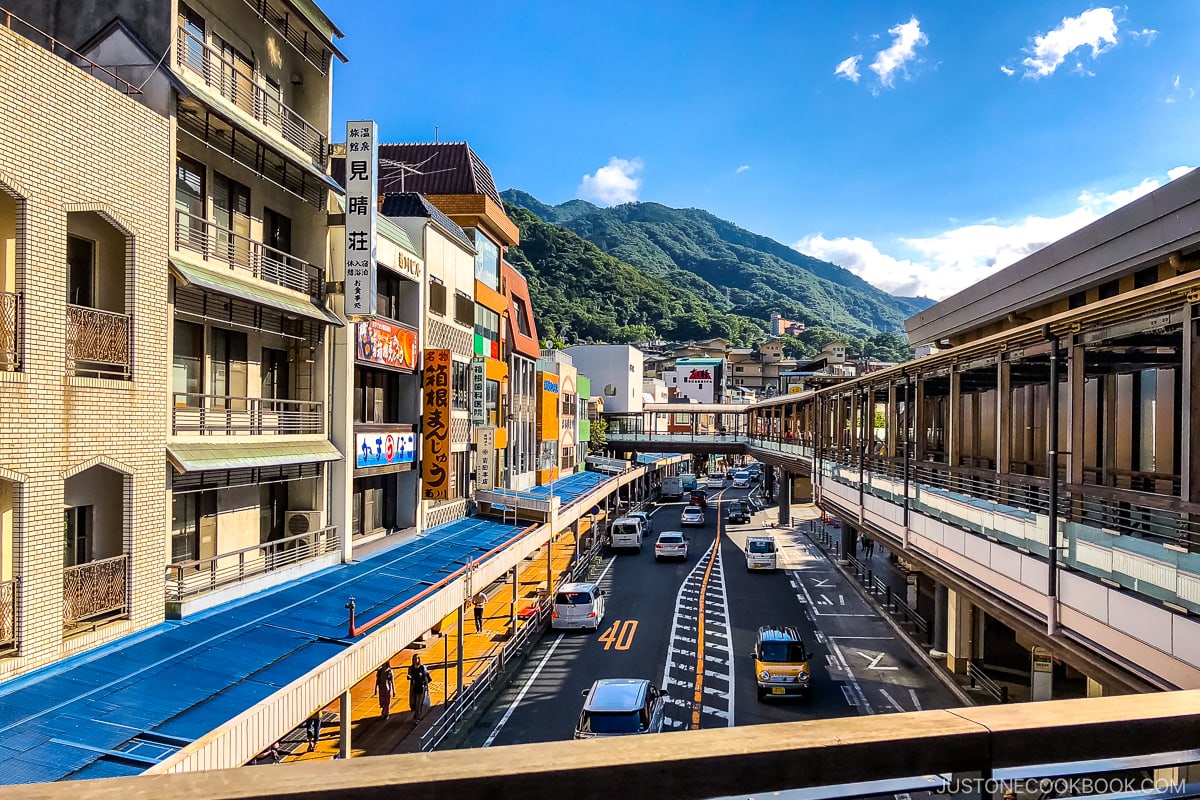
98	343
981	680
233	82
8	614
222	414
10	331
217	243
95	589
191	578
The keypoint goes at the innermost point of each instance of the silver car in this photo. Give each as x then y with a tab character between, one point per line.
621	707
647	529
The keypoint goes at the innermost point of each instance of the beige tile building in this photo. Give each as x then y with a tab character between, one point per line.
83	344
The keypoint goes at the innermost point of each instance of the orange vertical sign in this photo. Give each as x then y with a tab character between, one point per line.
435	426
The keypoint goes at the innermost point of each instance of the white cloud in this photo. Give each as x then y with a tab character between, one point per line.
742	169
849	68
1095	28
941	265
1149	33
906	38
614	183
1007	71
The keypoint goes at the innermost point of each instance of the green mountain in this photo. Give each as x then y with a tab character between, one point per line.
694	255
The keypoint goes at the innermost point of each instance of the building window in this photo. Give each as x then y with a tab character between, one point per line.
437	297
275	373
460	476
487	259
487	332
387	298
81	271
372	390
460	385
492	402
187	367
187	510
229	367
522	312
464	309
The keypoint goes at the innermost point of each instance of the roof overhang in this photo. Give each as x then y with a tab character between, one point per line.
238	454
228	283
478	211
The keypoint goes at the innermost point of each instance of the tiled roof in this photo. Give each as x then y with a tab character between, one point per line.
411	204
448	167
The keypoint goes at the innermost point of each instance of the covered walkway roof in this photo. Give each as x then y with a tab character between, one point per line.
119	709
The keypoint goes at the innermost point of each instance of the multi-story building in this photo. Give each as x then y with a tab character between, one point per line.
616	374
557	409
521	347
448	255
583	388
377	397
83	348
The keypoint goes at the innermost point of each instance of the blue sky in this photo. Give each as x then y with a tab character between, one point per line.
920	144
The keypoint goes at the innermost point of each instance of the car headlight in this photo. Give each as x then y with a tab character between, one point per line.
766	676
801	676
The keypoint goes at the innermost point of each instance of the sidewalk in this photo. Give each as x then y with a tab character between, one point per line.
370	734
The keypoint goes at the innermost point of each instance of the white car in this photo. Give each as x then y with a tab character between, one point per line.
671	544
645	518
692	515
715	481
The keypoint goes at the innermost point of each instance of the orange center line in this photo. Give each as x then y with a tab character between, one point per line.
698	700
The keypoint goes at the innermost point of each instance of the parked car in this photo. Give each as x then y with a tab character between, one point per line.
692	515
647	528
737	512
621	707
671	544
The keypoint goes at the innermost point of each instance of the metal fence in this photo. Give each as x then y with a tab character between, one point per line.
8	614
221	414
95	589
98	343
10	331
190	578
218	243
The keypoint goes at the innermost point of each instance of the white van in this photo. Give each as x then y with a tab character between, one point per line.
741	479
761	553
627	533
577	605
671	488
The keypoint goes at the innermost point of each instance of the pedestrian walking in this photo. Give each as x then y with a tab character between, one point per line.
869	546
479	601
418	687
385	687
312	730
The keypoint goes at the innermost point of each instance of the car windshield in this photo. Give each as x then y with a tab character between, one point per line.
626	528
735	508
670	540
611	722
762	547
572	598
781	652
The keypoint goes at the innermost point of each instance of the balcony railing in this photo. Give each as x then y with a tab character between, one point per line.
33	34
8	614
224	415
10	331
190	578
97	343
216	243
237	85
94	589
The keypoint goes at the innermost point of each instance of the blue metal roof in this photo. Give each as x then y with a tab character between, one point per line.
82	717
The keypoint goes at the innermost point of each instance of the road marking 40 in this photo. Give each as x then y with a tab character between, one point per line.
619	636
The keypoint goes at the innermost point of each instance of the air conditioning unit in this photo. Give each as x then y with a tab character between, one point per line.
302	522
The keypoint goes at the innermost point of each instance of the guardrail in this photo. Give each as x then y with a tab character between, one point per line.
215	242
981	680
190	578
213	413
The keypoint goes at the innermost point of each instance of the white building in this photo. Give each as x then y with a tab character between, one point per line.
616	374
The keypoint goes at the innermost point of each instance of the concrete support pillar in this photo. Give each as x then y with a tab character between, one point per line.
954	422
920	422
941	622
959	645
849	543
345	719
892	418
1003	416
1094	687
459	671
785	498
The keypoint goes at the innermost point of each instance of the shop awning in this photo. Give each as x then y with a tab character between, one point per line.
227	282
237	454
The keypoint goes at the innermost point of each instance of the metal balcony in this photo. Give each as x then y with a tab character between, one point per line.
8	614
214	414
191	578
94	589
10	331
98	343
232	82
216	243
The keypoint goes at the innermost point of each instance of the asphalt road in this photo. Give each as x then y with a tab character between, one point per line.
690	627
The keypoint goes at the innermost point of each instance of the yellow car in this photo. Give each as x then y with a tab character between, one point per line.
781	663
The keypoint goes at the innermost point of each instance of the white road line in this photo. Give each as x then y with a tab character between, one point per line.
865	704
916	703
891	700
729	639
849	695
842	598
675	621
538	671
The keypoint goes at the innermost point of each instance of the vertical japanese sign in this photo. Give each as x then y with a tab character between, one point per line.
362	190
478	391
485	458
435	426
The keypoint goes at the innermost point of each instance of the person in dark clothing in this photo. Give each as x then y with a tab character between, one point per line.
479	601
418	687
385	687
312	730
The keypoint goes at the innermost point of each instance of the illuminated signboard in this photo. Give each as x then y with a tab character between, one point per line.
435	426
384	448
386	344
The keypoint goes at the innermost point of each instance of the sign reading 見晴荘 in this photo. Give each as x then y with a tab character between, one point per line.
362	189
